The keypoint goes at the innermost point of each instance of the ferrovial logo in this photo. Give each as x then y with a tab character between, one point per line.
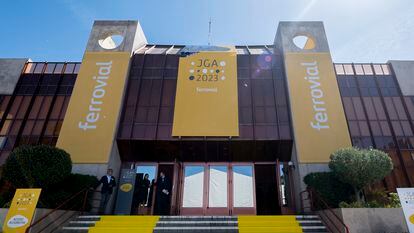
320	120
96	102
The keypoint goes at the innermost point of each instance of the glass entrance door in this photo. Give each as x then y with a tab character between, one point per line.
144	189
244	200
217	189
193	190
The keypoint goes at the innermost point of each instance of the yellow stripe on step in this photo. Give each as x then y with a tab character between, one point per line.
125	224
268	224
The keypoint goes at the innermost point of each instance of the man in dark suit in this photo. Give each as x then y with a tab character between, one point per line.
163	195
108	183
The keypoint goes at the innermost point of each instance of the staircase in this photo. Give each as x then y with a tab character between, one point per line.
197	224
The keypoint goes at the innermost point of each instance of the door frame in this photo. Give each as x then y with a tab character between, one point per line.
218	210
174	186
243	210
136	165
192	210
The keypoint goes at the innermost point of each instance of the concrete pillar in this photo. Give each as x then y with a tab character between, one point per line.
10	71
312	146
101	42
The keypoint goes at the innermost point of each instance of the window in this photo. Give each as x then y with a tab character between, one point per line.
367	69
258	50
242	50
174	50
39	68
339	69
358	69
50	68
348	70
59	68
158	50
29	68
77	68
378	70
385	69
69	68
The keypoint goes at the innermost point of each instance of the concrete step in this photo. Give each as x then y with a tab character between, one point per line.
196	229
320	228
196	223
197	218
74	229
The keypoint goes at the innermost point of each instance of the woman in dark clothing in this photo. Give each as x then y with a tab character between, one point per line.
143	190
151	193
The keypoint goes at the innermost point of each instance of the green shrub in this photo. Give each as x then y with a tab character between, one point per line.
48	168
60	192
377	199
355	204
37	166
329	187
360	167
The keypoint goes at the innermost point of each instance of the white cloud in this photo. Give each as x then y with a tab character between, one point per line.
84	14
391	38
306	9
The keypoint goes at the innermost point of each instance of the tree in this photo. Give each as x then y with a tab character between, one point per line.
37	166
360	167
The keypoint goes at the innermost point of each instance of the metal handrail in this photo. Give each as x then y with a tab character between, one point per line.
85	192
313	197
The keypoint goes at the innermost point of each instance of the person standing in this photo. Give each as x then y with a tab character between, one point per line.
143	190
108	183
162	198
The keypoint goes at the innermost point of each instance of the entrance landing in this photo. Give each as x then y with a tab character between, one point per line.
199	224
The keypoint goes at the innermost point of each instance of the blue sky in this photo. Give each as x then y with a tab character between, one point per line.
358	30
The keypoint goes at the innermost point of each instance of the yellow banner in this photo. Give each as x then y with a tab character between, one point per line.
21	211
206	102
90	123
318	116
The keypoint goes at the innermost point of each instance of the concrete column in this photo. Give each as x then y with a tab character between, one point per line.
101	40
313	142
10	71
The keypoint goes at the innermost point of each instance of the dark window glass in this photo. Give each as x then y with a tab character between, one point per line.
370	108
349	108
397	128
379	108
359	110
57	107
400	108
363	127
385	128
69	68
392	113
375	127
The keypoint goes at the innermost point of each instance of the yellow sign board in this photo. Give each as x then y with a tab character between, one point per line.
319	122
21	211
90	123
206	102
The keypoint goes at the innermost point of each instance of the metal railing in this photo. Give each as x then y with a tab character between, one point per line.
69	208
332	221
